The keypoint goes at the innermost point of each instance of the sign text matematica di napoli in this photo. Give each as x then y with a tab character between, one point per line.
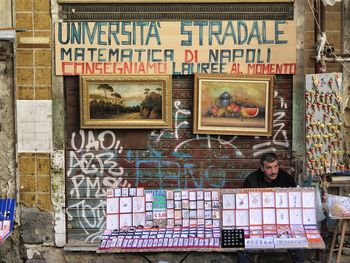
178	48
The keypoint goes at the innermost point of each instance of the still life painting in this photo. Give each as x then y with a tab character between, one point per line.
233	104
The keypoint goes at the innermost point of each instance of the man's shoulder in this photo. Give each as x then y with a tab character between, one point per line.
284	173
254	175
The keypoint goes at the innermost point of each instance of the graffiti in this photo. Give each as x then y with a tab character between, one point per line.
89	217
92	169
279	138
179	172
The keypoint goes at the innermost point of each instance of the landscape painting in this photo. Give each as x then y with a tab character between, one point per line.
133	101
233	105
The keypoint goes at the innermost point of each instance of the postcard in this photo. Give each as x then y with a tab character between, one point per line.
193	205
242	201
215	195
228	217
177	195
149	206
242	217
228	201
125	220
255	216
139	219
112	206
282	216
132	191
140	191
255	200
200	195
138	203
281	199
207	196
117	192
308	199
296	216
184	194
169	194
112	221
309	216
200	204
269	216
125	191
193	196
295	199
268	199
149	197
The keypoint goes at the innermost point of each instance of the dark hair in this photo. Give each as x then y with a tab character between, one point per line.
268	157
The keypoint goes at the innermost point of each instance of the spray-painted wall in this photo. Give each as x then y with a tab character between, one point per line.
173	158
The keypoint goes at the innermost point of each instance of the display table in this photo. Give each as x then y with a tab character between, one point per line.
221	220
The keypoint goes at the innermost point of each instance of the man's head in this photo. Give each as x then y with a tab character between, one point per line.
269	166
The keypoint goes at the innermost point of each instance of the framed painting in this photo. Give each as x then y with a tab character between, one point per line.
233	104
125	101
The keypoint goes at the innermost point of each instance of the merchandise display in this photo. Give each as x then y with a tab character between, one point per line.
258	218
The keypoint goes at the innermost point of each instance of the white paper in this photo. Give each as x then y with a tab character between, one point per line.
268	199
170	213
139	219
228	218
177	195
149	206
200	195
193	195
242	201
125	205
242	217
184	194
34	125
309	216
117	192
215	195
308	199
125	220
296	216
169	194
282	216
269	216
255	200
295	199
207	196
200	204
228	201
112	205
138	204
281	199
112	222
255	216
132	191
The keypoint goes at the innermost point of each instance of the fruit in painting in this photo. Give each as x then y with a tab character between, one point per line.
249	112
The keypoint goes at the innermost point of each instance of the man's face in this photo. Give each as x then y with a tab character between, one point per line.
270	170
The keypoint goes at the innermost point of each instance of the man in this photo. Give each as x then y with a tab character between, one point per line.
267	176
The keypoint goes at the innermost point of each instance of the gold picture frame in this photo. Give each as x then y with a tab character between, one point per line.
125	101
233	104
172	1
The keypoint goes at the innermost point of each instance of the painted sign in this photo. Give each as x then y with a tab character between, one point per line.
178	48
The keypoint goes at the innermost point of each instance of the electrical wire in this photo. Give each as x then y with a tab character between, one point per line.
312	8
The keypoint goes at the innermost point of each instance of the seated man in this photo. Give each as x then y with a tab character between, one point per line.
269	175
